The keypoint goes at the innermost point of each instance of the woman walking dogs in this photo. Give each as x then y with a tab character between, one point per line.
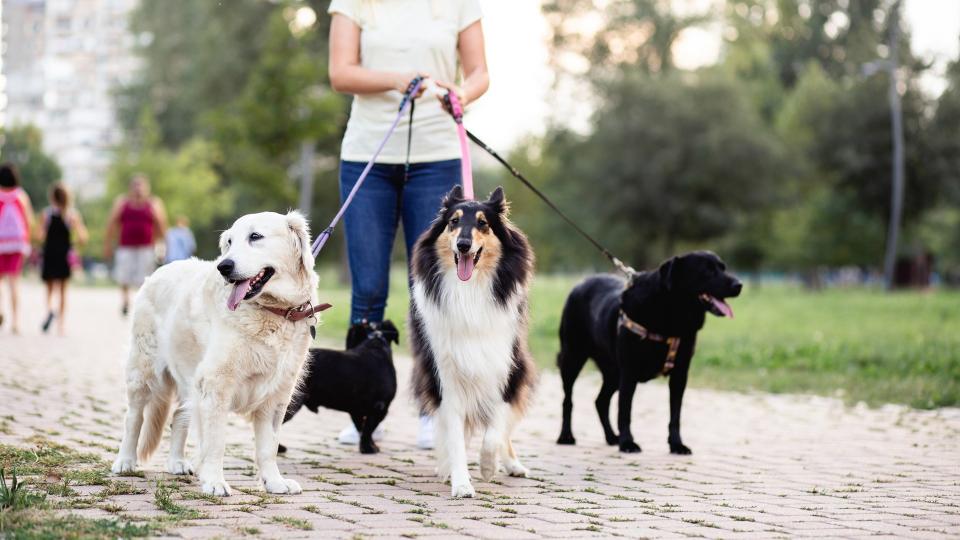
376	48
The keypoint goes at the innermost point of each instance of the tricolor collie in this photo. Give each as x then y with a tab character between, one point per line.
468	325
221	337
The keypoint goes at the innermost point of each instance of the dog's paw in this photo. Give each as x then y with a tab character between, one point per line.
282	486
220	488
281	449
566	438
612	439
179	467
630	447
515	469
680	448
488	465
461	491
371	448
124	465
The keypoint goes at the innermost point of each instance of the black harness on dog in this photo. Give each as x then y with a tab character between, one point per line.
673	343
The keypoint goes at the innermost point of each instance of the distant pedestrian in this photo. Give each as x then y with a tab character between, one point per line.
141	221
180	242
62	223
16	220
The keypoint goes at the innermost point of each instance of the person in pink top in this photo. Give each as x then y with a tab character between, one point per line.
140	220
16	221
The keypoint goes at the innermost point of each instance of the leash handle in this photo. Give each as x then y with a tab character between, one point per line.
408	97
466	167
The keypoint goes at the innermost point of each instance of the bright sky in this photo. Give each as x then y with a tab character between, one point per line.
516	104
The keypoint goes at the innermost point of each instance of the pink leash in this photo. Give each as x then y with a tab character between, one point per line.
407	100
466	168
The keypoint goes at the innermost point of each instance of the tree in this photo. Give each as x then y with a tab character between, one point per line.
23	146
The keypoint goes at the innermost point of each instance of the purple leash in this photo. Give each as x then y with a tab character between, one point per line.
407	99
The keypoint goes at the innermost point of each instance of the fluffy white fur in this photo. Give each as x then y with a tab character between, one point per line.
189	348
472	338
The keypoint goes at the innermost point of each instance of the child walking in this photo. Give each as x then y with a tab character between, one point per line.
61	221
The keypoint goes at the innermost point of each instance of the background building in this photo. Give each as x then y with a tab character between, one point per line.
62	60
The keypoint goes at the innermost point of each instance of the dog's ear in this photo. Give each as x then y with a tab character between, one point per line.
300	230
223	241
498	201
390	331
666	274
455	196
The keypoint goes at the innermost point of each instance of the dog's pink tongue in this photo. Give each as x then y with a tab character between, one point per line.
465	267
240	289
722	306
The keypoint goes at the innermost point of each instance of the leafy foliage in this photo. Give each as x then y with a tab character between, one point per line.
23	146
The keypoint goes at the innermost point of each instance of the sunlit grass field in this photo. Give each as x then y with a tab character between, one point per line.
860	344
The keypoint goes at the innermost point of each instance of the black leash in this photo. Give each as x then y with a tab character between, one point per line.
627	270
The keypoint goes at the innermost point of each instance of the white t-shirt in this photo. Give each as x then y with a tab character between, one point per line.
405	36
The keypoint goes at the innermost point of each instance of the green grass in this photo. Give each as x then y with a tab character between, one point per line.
861	344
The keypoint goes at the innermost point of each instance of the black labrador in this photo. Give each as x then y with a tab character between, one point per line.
638	330
361	380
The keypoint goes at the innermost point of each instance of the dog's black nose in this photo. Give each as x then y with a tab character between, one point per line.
226	267
463	244
737	287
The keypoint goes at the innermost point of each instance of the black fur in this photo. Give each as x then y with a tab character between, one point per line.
361	381
666	301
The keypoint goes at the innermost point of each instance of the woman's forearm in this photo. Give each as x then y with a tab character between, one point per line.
475	84
355	79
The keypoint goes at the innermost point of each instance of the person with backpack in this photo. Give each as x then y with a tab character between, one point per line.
62	223
16	221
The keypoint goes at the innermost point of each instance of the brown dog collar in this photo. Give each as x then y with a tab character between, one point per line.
673	343
298	313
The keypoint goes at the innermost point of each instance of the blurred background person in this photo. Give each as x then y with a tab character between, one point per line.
61	225
140	220
16	220
180	241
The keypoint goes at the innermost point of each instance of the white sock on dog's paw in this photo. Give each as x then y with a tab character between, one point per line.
179	467
460	491
219	488
488	465
516	469
283	486
124	465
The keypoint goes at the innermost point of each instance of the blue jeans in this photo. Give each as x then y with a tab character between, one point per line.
371	222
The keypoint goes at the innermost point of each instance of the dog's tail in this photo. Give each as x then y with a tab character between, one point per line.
155	416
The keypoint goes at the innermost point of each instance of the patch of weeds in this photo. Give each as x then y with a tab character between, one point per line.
44	458
508	510
86	477
429	523
618	519
42	524
249	531
389	482
163	500
116	487
500	523
591	528
701	522
201	496
15	496
420	511
741	518
301	524
112	508
404	460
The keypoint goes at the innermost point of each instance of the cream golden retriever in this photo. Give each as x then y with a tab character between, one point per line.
220	337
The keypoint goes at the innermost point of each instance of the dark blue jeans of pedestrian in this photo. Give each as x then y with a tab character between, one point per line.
382	203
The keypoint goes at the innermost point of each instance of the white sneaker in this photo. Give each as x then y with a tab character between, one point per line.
350	435
425	434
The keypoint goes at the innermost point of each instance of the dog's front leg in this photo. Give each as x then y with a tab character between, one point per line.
493	438
678	383
266	429
452	450
211	417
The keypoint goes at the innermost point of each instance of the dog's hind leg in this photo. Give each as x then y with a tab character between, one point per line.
611	380
137	398
511	462
493	439
179	427
570	364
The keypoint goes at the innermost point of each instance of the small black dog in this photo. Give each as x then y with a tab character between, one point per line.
637	331
360	380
